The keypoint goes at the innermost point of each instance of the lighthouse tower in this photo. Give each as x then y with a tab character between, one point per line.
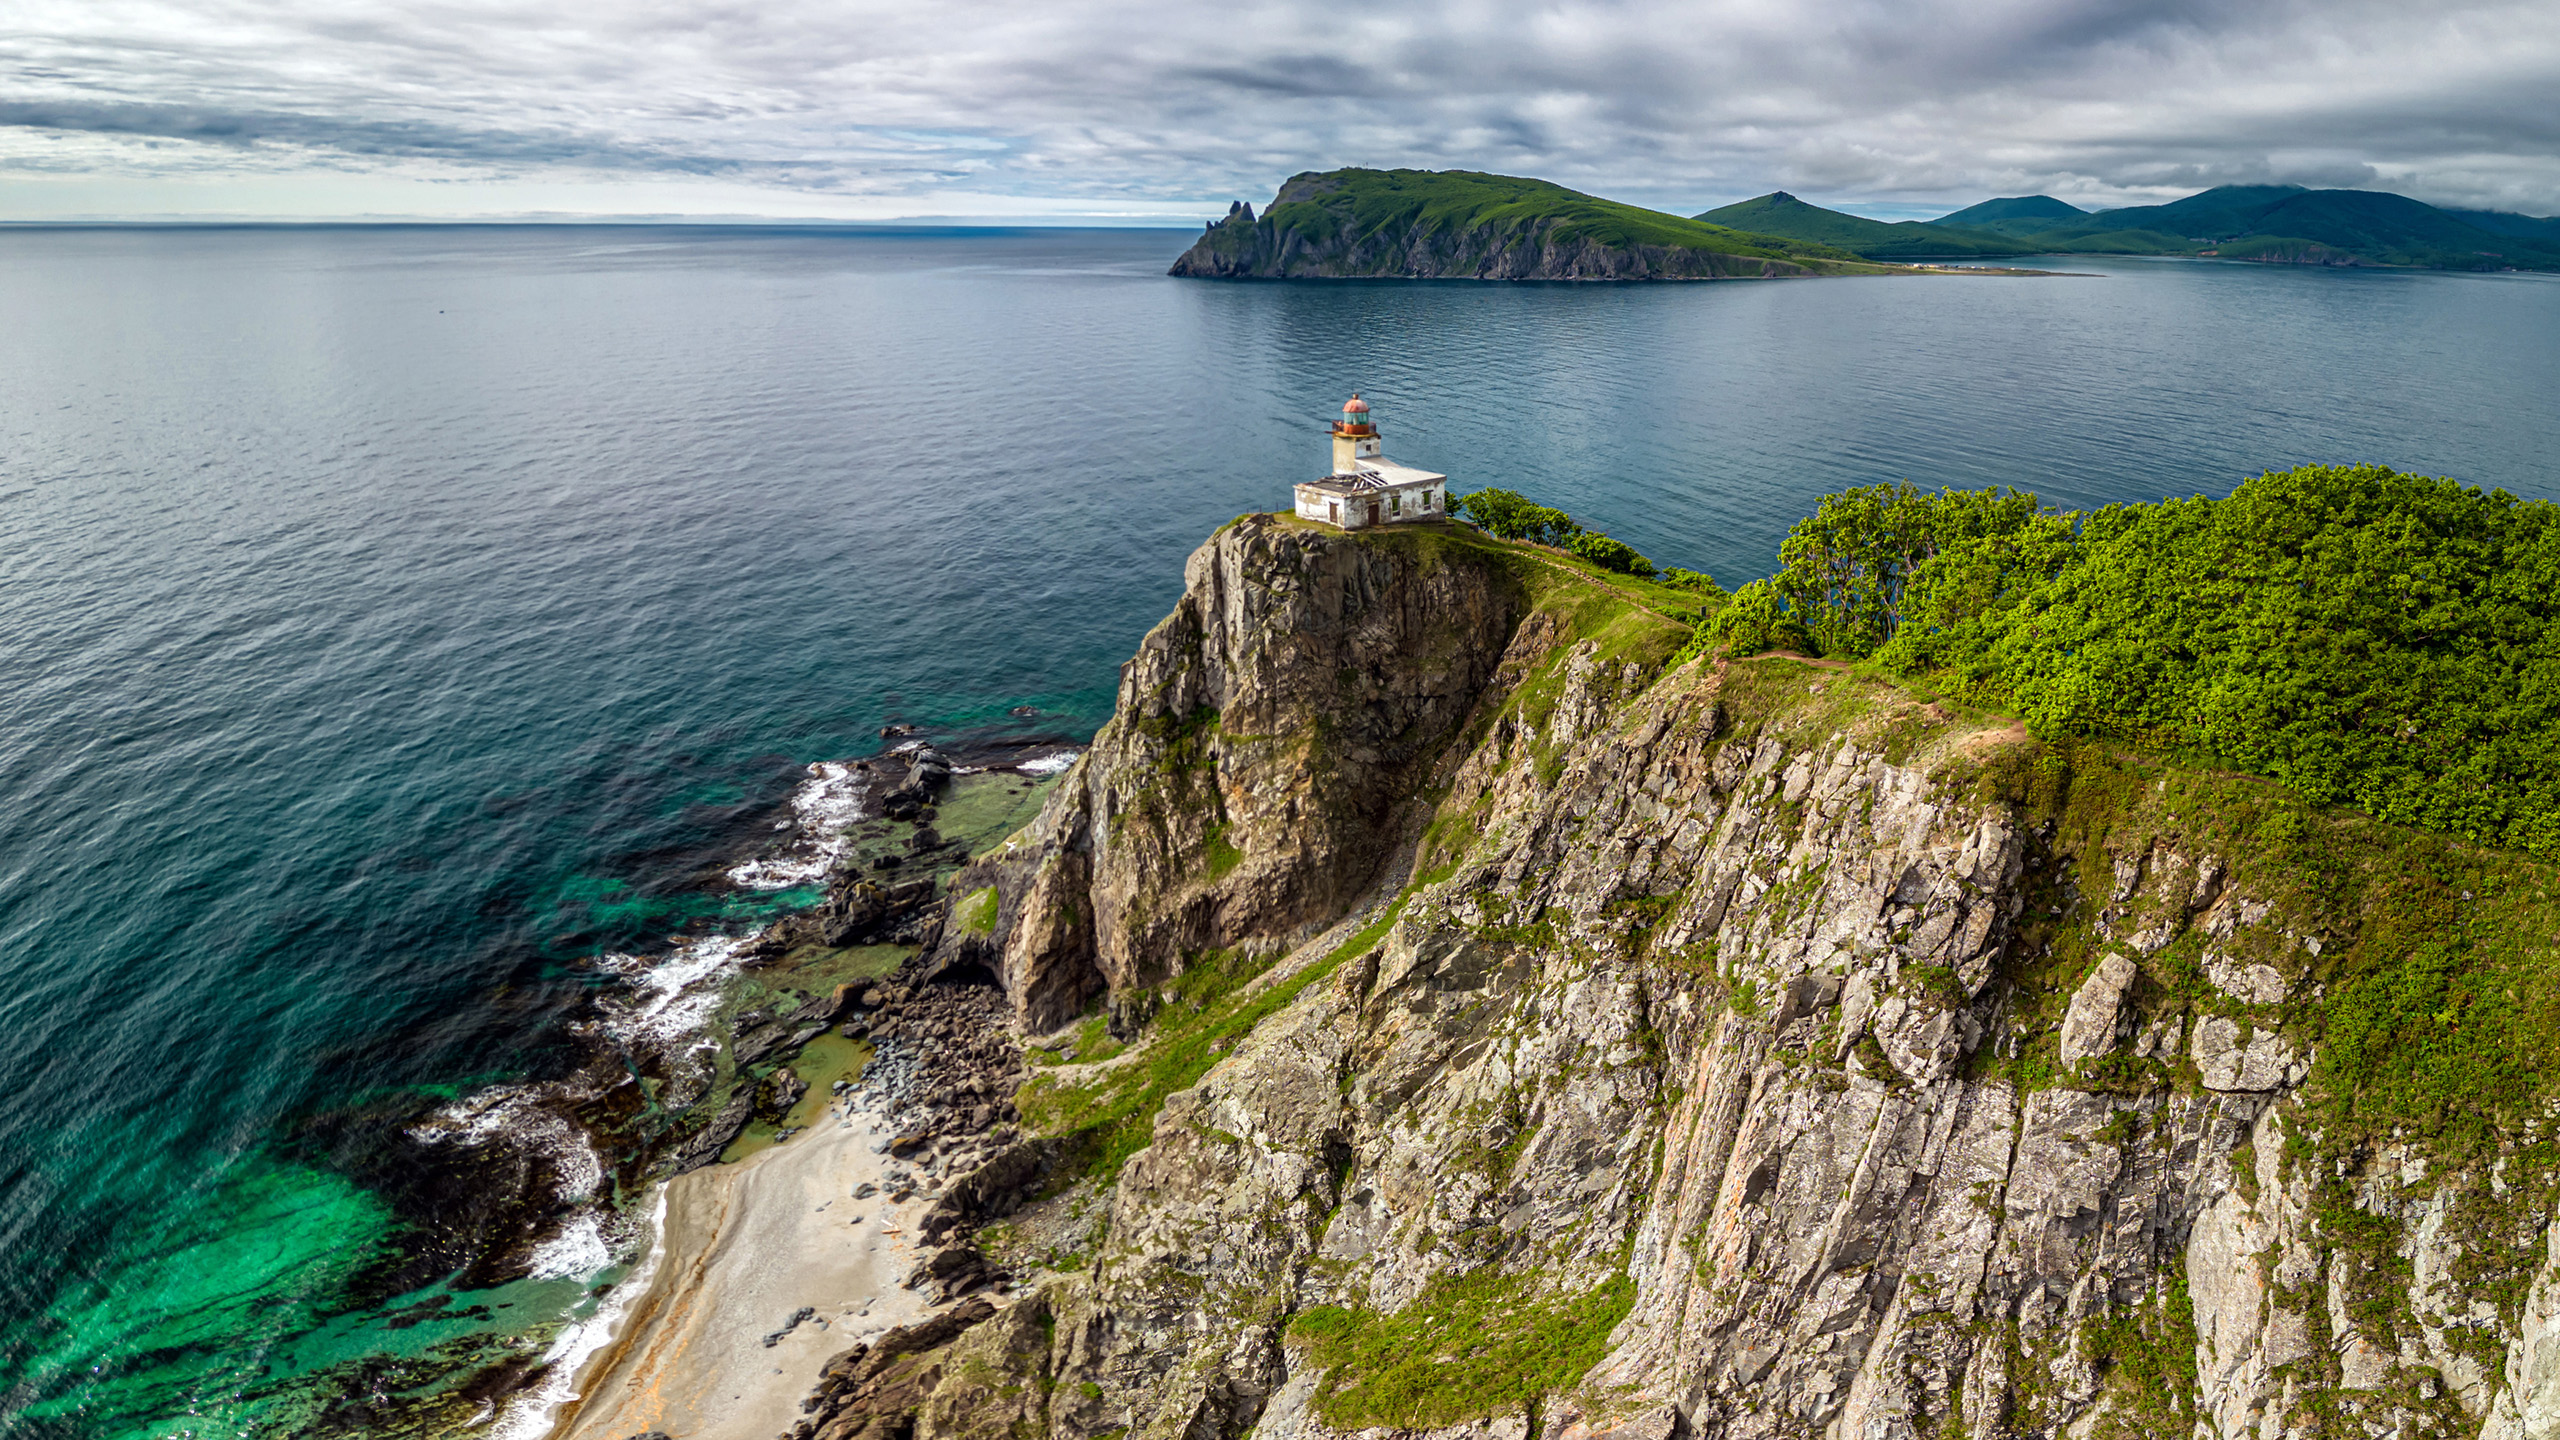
1365	488
1355	437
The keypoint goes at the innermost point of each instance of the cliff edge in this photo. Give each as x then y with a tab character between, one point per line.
1458	1010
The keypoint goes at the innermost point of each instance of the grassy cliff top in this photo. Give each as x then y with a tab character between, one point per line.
1365	202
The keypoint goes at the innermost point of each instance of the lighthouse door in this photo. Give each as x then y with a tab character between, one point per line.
1373	512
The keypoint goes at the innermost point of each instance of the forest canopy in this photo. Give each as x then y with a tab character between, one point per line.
2365	637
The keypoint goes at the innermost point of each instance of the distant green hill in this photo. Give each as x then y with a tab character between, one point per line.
2280	223
1458	224
1780	213
2036	212
2221	213
2507	222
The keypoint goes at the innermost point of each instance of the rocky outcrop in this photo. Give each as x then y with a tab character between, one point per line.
1267	733
1776	1042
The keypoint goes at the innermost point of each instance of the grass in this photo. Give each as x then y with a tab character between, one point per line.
1112	1115
1223	857
1469	1347
976	912
1091	1042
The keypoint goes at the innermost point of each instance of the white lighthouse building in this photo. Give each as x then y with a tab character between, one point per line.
1366	488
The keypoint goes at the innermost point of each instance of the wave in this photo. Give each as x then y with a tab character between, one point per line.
822	808
529	1414
521	1116
671	998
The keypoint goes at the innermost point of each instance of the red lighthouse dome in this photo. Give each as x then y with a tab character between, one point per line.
1355	415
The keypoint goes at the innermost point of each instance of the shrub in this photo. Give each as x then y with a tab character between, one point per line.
1514	516
1757	619
1610	554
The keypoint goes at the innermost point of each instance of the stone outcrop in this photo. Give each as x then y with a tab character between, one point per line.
1267	733
1882	1103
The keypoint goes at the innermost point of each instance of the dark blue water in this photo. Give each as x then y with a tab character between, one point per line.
391	618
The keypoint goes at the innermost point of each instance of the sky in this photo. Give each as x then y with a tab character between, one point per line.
1163	111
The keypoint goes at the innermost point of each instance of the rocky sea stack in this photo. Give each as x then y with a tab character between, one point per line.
1455	1007
1456	225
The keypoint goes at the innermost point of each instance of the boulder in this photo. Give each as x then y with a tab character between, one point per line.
2089	1026
2225	1062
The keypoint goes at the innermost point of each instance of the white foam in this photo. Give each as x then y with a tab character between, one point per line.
824	805
674	997
1047	764
516	1113
579	1250
529	1416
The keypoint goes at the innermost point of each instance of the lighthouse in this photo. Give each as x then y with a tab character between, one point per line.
1365	488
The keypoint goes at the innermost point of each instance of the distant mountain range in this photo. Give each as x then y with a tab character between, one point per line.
2281	223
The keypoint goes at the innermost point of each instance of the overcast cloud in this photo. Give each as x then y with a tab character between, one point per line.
860	109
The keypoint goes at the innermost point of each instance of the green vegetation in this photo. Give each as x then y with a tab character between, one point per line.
976	912
1610	554
1370	201
1511	515
2431	1008
2365	637
1469	1347
1514	516
1113	1115
1224	857
2146	1357
2240	222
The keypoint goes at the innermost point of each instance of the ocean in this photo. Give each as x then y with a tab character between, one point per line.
395	621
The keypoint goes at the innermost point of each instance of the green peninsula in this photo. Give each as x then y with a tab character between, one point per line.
1460	225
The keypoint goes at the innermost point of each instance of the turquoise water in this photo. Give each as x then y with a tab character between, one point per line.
393	618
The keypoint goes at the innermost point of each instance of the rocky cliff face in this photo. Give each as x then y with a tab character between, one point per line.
1715	1048
1268	733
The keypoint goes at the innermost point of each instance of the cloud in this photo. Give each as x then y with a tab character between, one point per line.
1890	103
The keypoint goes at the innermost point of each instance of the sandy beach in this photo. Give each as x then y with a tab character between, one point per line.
743	1249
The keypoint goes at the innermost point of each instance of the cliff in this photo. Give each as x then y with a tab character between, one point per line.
1508	1027
1454	225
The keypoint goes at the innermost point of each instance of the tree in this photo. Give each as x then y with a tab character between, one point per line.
1610	554
1514	516
2362	636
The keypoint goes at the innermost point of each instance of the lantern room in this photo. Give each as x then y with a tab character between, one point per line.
1355	417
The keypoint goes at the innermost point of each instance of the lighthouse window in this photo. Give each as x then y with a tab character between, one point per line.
1395	504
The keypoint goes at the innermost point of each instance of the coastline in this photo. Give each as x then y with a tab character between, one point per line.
774	1245
764	1044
